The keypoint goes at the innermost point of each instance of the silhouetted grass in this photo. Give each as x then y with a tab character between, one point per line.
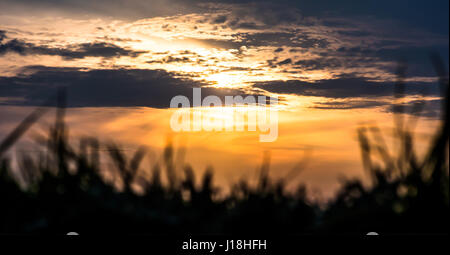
65	189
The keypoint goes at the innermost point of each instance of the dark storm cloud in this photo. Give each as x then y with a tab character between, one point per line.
345	88
94	49
98	88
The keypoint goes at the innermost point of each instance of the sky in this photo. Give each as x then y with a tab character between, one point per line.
332	64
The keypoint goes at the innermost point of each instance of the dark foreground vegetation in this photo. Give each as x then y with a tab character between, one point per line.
65	189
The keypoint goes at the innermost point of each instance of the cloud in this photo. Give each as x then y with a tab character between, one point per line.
264	39
218	43
284	38
2	35
430	108
171	59
219	19
318	63
425	108
345	88
350	104
77	51
278	49
240	68
285	62
280	33
122	9
355	33
98	88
